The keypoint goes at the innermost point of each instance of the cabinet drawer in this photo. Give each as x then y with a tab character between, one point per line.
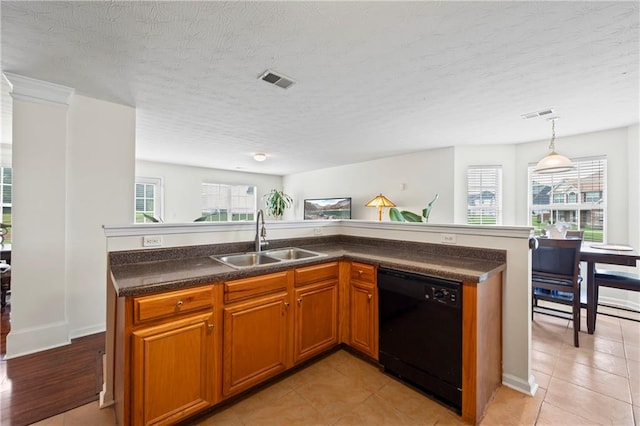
255	286
146	308
315	273
362	272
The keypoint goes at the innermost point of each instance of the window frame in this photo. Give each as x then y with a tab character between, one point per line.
495	208
589	216
233	209
9	205
157	199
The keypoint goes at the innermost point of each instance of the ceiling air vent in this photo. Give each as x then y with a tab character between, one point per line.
276	79
541	113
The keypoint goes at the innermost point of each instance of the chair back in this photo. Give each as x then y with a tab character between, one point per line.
556	258
575	234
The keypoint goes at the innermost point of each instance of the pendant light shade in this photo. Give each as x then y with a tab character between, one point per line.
553	162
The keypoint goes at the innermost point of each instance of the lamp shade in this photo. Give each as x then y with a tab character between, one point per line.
554	163
380	201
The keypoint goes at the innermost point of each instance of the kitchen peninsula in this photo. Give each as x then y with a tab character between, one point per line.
179	302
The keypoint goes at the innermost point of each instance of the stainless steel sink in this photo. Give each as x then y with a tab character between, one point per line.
292	253
246	260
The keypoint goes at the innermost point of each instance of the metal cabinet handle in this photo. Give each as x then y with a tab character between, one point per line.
210	326
180	303
360	272
286	304
370	296
300	301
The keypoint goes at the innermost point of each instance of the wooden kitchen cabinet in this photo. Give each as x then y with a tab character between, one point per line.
170	372
363	301
315	327
256	331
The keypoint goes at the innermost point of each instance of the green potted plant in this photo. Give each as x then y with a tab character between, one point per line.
276	202
406	216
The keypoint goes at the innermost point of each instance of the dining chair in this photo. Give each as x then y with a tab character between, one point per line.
555	273
575	234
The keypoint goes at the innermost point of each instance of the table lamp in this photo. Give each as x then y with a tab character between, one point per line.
380	201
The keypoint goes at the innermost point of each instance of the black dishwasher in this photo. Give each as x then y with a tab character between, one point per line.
420	340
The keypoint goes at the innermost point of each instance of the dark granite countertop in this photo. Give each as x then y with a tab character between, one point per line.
137	273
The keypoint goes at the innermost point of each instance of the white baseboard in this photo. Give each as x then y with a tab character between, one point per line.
618	303
87	331
527	387
36	339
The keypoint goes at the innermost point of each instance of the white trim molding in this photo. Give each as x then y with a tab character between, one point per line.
32	90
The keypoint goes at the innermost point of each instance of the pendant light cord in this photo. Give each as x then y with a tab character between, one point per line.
552	145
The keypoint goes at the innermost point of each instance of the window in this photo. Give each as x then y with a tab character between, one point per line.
226	203
577	197
6	182
148	200
484	195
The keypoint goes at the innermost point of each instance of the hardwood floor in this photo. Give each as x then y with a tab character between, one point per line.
41	385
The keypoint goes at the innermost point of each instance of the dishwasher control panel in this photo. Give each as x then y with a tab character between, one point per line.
444	295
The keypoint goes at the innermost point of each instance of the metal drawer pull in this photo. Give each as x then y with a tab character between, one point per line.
300	301
370	296
180	302
286	304
211	327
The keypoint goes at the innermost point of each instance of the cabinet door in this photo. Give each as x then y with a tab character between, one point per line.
316	319
255	342
364	315
172	369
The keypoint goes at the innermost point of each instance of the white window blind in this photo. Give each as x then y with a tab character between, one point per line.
226	203
484	195
576	197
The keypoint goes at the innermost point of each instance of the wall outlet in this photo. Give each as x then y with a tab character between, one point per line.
317	231
151	241
448	238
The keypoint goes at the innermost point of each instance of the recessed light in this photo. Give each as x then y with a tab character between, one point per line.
260	156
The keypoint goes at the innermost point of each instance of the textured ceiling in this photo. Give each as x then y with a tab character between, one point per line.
373	79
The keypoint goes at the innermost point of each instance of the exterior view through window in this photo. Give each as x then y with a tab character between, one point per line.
484	195
227	203
577	198
6	182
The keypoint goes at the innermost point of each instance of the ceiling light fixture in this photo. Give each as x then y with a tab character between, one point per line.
553	162
261	156
276	79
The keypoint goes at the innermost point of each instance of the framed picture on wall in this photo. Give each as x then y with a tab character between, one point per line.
327	208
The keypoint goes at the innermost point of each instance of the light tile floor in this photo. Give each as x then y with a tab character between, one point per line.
598	383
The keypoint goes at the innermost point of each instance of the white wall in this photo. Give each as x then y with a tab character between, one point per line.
73	172
99	190
423	175
38	287
182	190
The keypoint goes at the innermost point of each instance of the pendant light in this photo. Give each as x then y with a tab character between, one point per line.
553	162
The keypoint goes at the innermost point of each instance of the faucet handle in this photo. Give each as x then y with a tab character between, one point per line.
264	243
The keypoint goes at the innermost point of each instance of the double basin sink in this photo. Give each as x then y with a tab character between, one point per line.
248	260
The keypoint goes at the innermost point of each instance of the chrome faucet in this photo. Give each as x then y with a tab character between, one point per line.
261	233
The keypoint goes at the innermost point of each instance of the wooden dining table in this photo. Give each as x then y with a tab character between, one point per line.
593	253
